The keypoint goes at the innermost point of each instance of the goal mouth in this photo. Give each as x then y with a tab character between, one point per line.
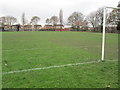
111	21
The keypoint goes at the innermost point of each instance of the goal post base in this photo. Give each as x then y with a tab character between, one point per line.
101	60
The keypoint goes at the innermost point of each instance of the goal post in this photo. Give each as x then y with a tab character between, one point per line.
0	59
104	27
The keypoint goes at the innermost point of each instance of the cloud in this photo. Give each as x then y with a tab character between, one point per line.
46	8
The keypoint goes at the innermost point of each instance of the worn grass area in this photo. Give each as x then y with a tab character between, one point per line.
28	50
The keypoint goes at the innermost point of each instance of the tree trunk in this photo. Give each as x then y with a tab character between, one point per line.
94	28
101	28
118	27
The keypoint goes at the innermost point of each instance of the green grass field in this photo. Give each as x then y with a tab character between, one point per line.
30	50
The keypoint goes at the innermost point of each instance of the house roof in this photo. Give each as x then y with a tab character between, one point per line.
38	25
47	25
27	25
15	25
58	25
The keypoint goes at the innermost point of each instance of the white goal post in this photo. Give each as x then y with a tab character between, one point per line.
104	25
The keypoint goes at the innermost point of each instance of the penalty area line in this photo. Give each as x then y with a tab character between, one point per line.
26	70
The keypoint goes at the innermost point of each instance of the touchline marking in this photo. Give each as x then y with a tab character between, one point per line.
26	70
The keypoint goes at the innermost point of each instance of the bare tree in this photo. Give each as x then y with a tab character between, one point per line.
85	24
118	25
47	21
61	17
2	21
76	19
35	20
10	20
23	19
54	20
112	17
71	21
7	20
99	18
92	19
95	19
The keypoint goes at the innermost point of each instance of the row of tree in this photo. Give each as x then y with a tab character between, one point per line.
10	20
95	19
76	20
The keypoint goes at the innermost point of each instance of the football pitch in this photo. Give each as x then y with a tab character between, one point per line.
49	59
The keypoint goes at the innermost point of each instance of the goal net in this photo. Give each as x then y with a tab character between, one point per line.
111	20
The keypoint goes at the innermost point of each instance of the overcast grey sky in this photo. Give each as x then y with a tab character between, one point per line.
47	8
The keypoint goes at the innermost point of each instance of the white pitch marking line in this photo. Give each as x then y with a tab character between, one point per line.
43	48
21	49
26	70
